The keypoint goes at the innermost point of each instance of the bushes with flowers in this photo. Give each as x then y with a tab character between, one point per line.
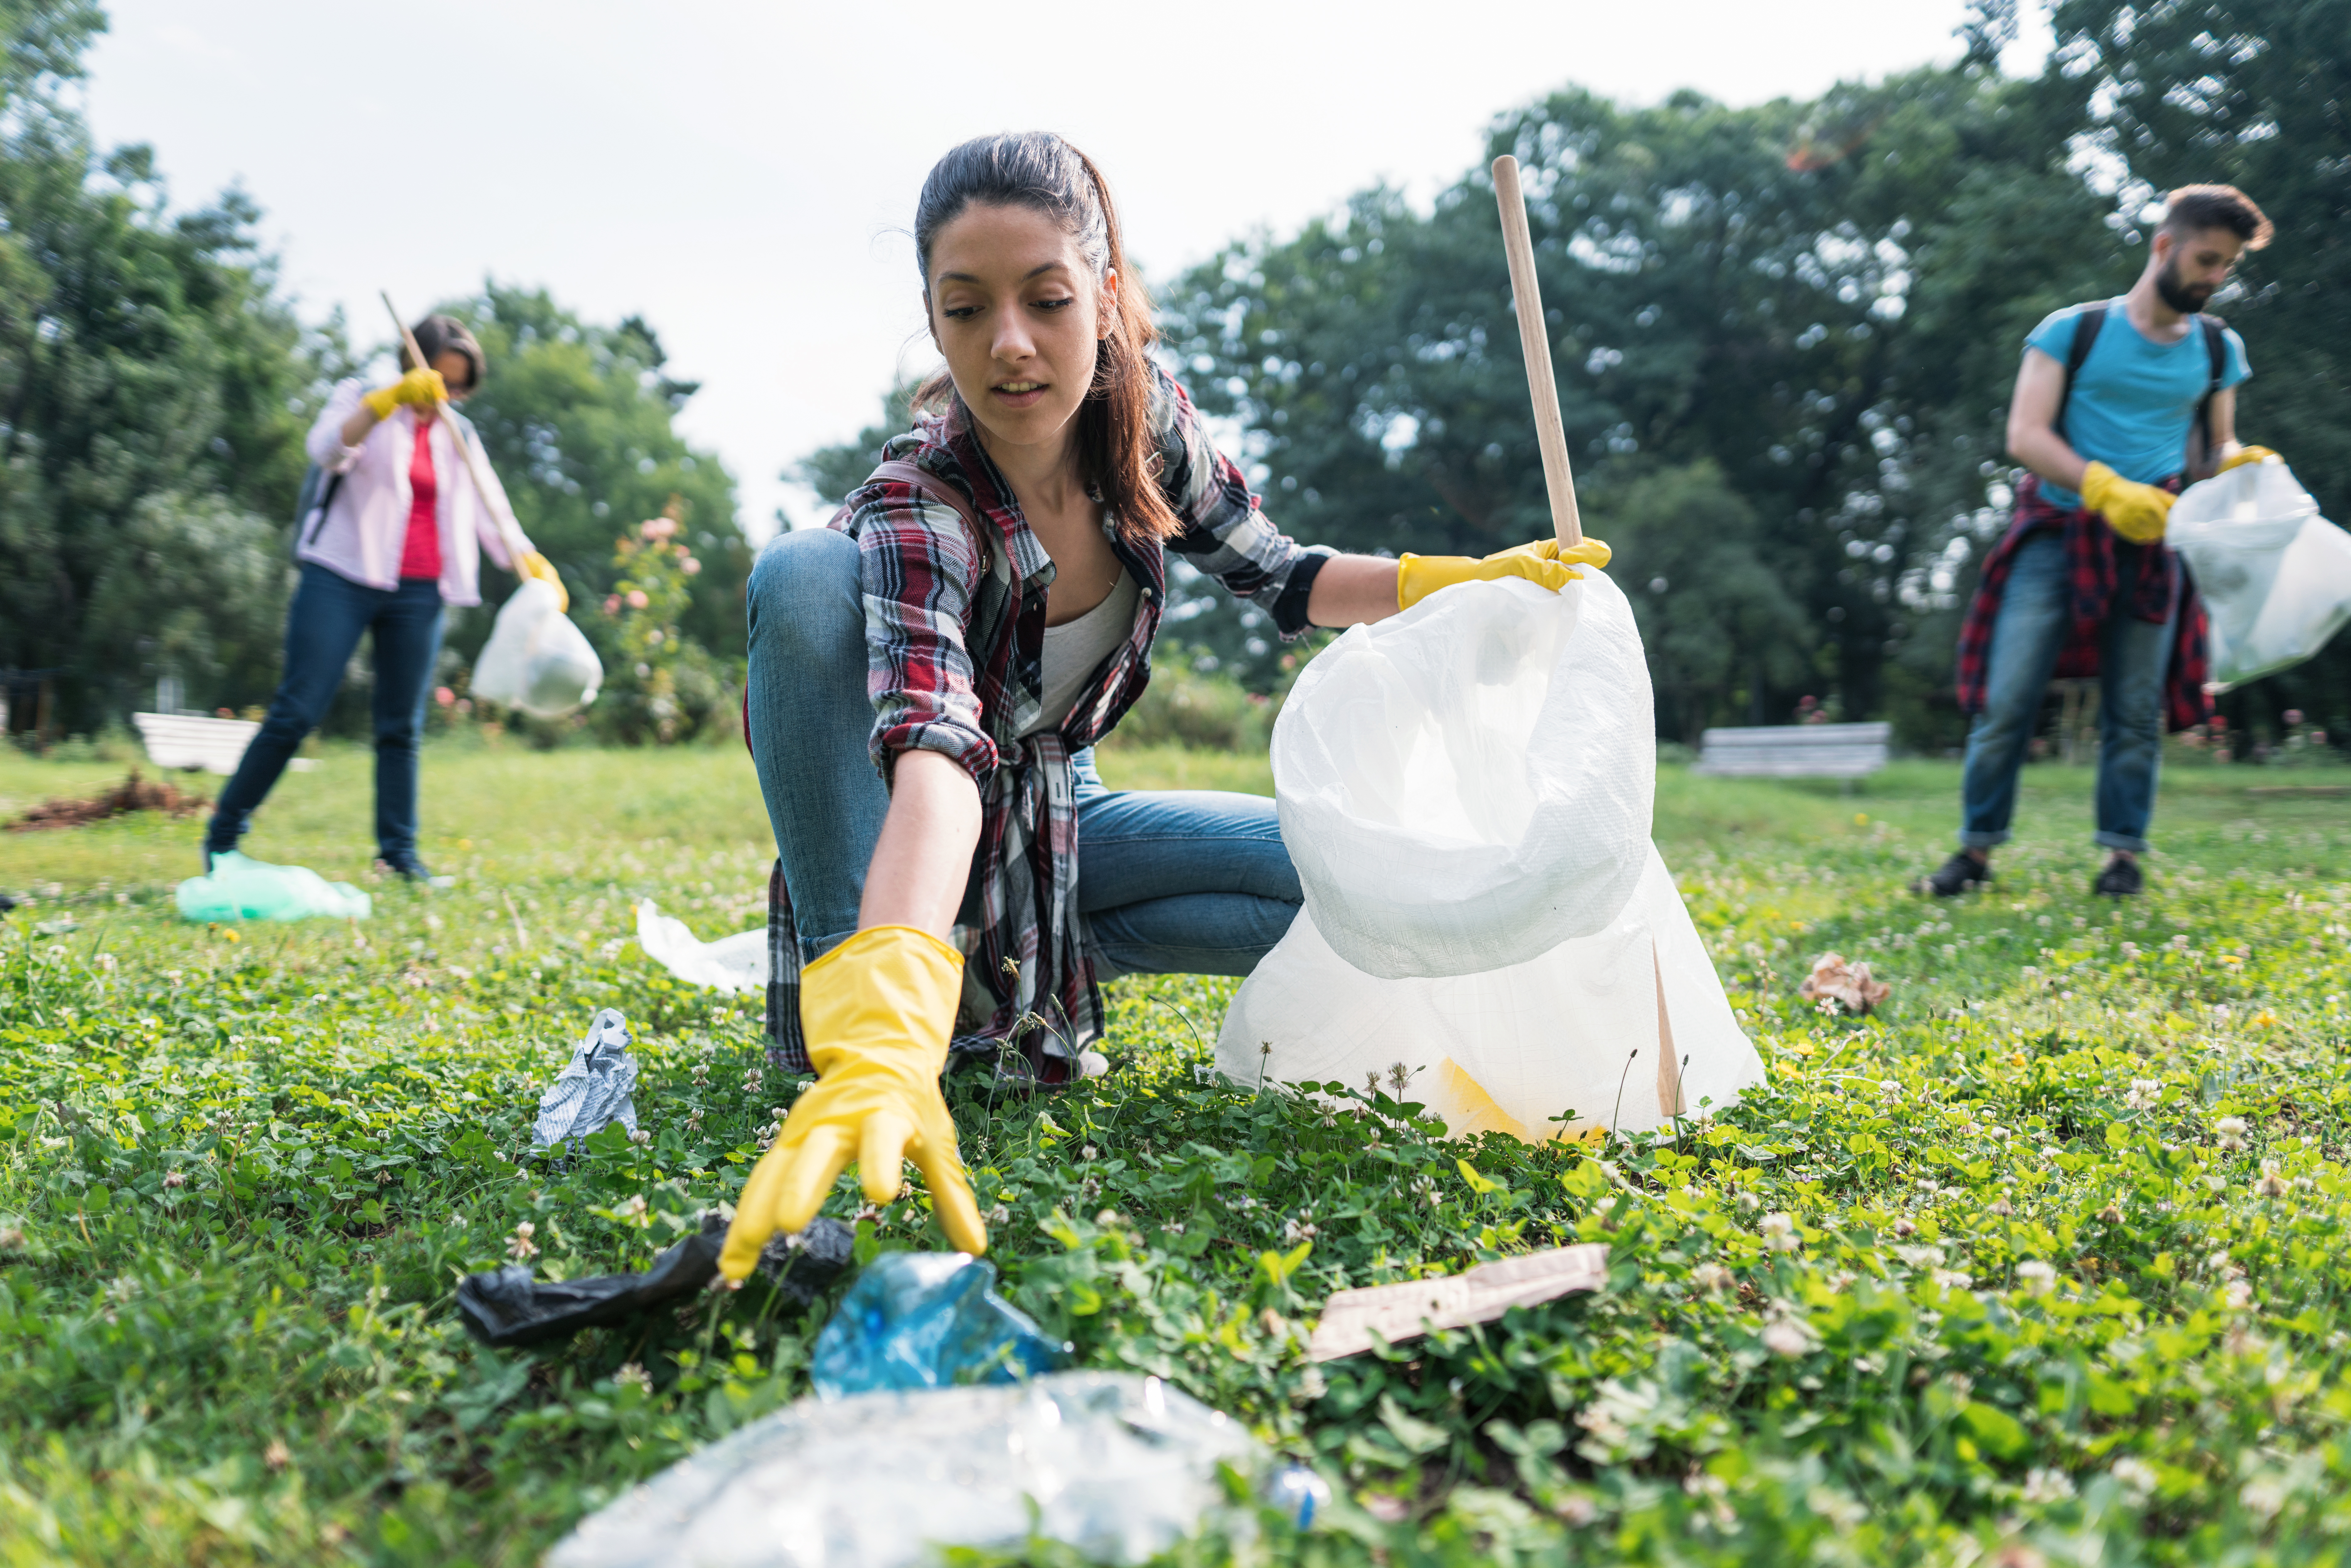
661	687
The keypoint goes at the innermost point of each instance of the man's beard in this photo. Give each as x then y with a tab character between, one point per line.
2187	298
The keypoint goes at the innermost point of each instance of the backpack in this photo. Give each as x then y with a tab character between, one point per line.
2216	349
318	490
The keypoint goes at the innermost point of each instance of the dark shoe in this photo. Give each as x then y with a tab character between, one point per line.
1958	874
408	868
213	850
2121	879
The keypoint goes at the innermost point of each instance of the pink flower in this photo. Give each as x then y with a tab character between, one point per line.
2292	716
692	566
443	695
658	527
637	600
612	604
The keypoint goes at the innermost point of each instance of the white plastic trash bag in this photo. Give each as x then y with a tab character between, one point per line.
1467	785
536	660
731	963
594	1088
1573	1033
2275	577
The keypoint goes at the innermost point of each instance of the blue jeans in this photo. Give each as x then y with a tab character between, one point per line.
2026	640
1192	882
322	629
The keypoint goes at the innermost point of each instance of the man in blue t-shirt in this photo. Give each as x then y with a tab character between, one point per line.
2117	404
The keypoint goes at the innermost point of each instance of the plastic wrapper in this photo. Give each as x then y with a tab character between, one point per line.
1119	1466
508	1309
239	887
594	1088
2275	577
536	659
926	1320
1626	1029
1467	785
1353	1320
731	963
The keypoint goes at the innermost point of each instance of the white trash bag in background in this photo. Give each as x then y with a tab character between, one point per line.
536	660
1467	785
731	963
1626	1029
2274	576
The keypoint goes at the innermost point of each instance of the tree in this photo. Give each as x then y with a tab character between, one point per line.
580	421
153	393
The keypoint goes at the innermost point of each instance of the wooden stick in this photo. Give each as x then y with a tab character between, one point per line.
1534	340
508	529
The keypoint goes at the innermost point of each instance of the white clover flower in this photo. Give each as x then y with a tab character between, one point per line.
2272	1183
632	1375
2264	1495
2230	1131
2135	1477
2036	1276
1711	1277
1787	1338
519	1246
2048	1486
2238	1295
2144	1092
1954	1279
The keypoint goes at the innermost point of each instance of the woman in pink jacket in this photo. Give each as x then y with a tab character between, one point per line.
395	536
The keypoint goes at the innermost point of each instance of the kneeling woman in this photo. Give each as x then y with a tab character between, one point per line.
928	677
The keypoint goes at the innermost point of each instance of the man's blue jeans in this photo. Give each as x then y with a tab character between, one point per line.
322	629
2026	640
1192	882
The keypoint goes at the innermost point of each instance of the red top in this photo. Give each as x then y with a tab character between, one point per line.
421	556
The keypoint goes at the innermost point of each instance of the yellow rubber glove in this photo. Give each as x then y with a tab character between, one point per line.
417	388
2135	511
2245	455
530	563
1545	563
877	1010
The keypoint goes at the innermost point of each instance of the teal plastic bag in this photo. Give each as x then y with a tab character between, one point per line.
239	887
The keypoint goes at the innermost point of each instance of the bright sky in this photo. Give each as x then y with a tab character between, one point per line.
742	175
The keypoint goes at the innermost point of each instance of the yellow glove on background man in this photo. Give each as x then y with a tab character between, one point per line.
1546	563
418	388
877	1011
2135	511
530	563
2244	454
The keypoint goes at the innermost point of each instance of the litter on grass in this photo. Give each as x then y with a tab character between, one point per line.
594	1088
239	887
1350	1319
133	794
1118	1466
1848	985
507	1307
927	1319
731	963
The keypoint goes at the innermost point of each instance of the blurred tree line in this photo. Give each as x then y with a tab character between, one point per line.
156	388
1785	338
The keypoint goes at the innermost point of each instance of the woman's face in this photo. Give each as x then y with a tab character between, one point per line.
1018	313
456	373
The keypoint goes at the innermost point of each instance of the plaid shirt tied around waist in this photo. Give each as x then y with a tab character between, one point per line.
2093	579
955	637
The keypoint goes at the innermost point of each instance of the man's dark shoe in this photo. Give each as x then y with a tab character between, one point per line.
408	868
2121	879
1958	874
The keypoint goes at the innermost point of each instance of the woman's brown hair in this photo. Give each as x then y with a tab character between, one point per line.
1037	170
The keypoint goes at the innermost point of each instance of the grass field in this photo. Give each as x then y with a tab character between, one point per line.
2043	1264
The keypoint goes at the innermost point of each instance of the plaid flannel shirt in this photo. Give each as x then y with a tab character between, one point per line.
956	631
2092	580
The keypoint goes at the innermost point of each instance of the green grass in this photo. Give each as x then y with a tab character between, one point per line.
241	1170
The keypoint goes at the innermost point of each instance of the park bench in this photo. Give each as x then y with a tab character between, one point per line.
1795	751
192	740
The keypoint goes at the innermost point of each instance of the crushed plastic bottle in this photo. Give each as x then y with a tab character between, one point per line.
927	1319
1119	1466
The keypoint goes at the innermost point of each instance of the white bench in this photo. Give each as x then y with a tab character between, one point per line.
1796	751
194	741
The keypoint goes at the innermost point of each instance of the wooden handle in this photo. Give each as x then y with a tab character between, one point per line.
1534	340
508	529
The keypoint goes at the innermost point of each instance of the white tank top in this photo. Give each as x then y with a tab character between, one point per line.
1075	650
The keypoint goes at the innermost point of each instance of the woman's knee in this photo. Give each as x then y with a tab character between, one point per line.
806	587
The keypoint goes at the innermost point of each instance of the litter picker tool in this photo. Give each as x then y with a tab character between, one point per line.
507	528
1534	340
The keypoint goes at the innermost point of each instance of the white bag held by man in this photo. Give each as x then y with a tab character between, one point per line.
2275	577
536	660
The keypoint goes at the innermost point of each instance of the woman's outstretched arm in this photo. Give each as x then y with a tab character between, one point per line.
924	858
1350	589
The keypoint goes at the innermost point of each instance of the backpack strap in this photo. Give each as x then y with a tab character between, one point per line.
2215	351
899	471
2085	336
325	499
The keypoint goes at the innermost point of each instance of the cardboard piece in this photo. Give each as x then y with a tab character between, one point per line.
1416	1307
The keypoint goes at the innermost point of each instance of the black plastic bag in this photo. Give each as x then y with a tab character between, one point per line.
508	1309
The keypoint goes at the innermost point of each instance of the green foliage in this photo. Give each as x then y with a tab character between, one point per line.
153	390
660	685
579	421
1996	1273
832	471
1191	706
